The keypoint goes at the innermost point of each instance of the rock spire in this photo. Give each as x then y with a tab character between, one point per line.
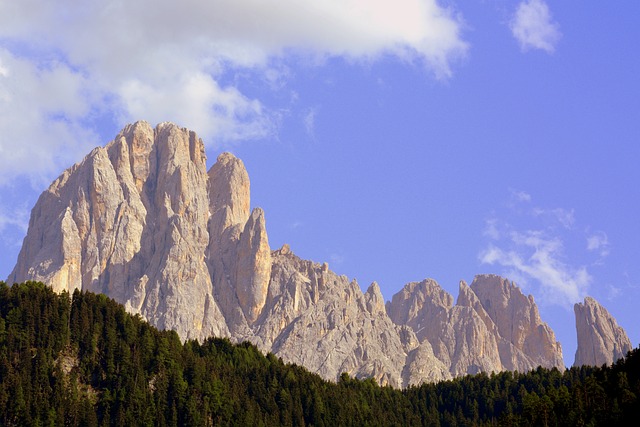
600	339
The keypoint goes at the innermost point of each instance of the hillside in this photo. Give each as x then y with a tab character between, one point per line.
81	359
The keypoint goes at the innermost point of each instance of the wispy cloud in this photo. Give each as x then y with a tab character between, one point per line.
533	26
13	225
598	242
336	258
296	225
520	196
18	218
534	255
65	67
565	217
492	229
534	252
613	292
309	121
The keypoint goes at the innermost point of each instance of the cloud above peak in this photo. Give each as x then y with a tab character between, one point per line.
533	255
543	248
243	32
534	28
599	242
67	64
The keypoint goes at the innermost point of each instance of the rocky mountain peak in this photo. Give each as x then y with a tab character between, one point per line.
130	220
144	222
253	266
285	249
475	334
418	297
517	318
375	300
600	339
229	193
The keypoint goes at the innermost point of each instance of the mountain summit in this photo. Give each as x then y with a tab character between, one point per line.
600	339
142	221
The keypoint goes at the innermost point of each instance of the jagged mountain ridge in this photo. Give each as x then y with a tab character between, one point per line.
144	222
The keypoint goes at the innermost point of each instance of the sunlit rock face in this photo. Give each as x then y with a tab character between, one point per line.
238	253
323	321
143	221
130	221
600	339
491	328
518	321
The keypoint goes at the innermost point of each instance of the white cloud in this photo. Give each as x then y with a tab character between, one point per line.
41	118
14	220
533	26
336	258
64	64
196	101
533	255
531	244
491	229
599	242
309	121
520	196
296	224
17	218
613	292
565	217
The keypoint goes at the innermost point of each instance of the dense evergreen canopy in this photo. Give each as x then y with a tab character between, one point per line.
82	360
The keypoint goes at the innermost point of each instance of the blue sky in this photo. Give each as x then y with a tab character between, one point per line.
395	140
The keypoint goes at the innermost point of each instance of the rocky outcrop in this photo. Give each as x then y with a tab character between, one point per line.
493	326
238	255
423	366
600	339
253	266
518	321
130	221
144	222
324	322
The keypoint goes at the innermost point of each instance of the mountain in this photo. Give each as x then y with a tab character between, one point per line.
491	328
142	221
600	339
130	221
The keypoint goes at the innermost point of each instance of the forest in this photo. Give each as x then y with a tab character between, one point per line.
82	360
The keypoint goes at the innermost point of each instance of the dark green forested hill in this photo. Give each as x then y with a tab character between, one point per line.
82	360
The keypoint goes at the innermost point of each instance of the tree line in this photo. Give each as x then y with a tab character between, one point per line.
82	360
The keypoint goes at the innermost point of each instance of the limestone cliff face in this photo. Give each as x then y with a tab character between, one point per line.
144	222
457	336
492	327
130	221
324	322
600	339
238	254
518	322
253	266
